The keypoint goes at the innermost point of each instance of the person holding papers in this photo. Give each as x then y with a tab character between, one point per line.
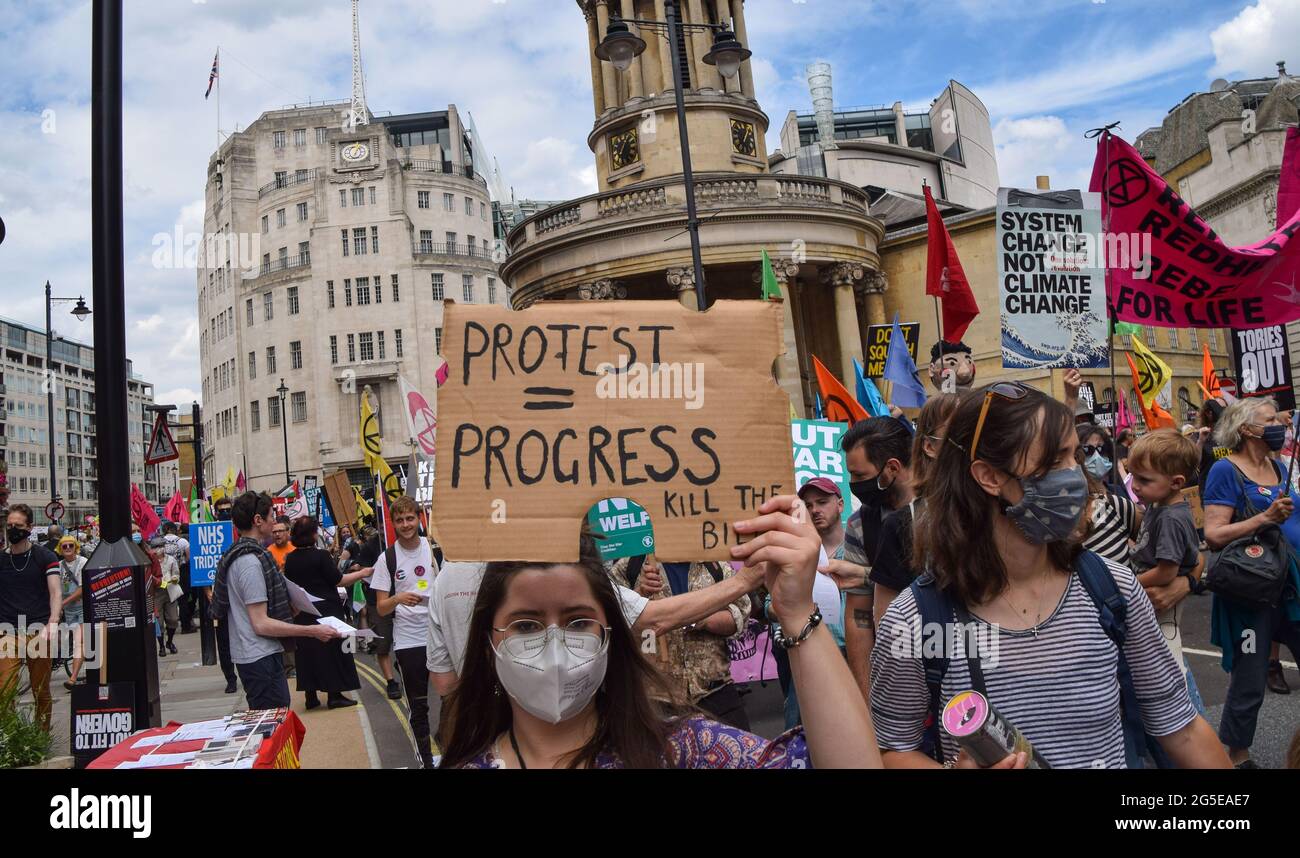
322	665
403	582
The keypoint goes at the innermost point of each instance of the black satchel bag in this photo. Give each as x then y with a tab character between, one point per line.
1253	570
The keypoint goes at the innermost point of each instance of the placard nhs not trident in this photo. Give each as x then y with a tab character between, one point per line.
551	409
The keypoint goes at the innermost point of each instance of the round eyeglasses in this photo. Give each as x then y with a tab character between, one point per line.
527	638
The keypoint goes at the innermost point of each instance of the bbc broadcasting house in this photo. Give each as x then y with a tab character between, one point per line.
358	237
25	444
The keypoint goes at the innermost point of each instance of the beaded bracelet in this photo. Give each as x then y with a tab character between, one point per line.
787	643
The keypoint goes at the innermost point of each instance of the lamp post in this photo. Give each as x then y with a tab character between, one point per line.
620	46
284	426
81	311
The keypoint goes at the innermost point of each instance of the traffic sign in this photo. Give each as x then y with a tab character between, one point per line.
54	511
162	447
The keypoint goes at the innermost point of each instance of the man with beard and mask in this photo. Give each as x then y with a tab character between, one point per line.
952	370
878	453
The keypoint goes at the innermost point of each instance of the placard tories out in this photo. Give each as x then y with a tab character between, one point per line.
878	345
111	597
1263	360
208	541
1052	287
549	410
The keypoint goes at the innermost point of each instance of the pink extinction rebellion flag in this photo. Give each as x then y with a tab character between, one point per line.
1192	279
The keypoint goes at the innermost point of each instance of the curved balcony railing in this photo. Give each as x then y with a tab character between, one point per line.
429	248
285	264
287	182
421	165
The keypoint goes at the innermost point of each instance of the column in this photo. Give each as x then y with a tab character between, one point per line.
841	277
636	81
742	33
872	289
608	74
682	281
665	51
601	290
597	85
788	375
704	74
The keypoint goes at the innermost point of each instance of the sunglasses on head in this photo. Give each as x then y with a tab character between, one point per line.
1013	391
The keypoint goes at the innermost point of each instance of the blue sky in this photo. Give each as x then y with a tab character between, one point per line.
1047	69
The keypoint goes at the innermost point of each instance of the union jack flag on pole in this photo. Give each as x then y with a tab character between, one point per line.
212	78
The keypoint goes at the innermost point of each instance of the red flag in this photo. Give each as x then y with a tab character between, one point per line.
1209	380
176	509
443	373
1288	185
387	532
142	514
944	277
840	405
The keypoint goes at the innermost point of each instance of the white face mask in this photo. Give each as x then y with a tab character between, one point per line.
553	683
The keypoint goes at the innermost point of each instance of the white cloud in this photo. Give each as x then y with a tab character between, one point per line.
149	325
1258	37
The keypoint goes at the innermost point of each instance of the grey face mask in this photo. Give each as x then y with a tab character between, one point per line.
1050	509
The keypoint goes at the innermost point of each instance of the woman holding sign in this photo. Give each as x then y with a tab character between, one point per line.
553	678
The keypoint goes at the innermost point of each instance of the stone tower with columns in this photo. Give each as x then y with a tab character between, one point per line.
629	240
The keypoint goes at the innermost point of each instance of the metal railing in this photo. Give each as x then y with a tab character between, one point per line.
287	182
284	264
429	248
422	165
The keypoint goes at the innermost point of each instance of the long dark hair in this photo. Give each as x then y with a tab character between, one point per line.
932	420
970	568
628	724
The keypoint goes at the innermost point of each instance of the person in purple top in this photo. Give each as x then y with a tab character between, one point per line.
554	678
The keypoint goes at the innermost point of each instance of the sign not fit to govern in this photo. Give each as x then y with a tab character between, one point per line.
1263	360
1052	290
549	410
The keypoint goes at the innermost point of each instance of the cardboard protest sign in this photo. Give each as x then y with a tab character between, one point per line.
341	498
1052	286
554	408
1182	274
878	346
1263	360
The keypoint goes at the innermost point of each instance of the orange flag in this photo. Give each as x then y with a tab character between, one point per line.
839	404
1155	416
1209	381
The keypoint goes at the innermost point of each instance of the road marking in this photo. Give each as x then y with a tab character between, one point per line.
1214	654
372	750
381	686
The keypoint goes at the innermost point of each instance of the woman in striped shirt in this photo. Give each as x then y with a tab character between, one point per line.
1003	500
1112	518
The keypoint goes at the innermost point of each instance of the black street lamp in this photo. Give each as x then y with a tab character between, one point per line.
81	311
284	426
620	46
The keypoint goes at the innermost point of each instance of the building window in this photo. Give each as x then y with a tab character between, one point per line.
278	139
492	291
300	136
343	198
273	412
437	340
270	360
1195	339
449	202
279	218
295	354
248	311
379	289
345	242
304	252
293	300
347	293
422	199
397	295
255	415
302	212
437	287
467	285
282	178
469	206
329	294
266	224
1173	338
358	197
268	306
266	262
379	337
298	401
359	241
372	195
482	211
322	134
471	245
451	242
374	239
252	365
299	176
367	346
334	350
363	291
397	341
426	241
352	348
284	258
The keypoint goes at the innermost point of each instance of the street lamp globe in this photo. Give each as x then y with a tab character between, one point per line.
620	46
727	53
81	311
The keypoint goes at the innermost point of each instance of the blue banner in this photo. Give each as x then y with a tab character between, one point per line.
208	541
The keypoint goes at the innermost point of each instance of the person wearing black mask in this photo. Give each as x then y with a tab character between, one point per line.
222	509
31	601
878	453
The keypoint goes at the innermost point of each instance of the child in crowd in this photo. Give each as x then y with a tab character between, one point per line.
1162	463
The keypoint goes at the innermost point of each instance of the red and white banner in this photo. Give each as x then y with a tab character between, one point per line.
1192	278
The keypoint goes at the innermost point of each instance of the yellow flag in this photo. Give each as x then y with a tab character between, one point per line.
363	508
229	482
1152	373
372	446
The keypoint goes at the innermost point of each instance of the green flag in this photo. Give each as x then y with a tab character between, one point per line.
771	289
1123	329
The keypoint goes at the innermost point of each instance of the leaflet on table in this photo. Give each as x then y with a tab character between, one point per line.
301	600
157	761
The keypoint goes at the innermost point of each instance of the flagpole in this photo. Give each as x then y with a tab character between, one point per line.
938	325
218	102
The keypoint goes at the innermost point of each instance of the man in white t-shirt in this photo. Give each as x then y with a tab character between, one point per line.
404	592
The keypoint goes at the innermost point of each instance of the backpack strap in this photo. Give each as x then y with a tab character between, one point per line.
633	571
715	571
933	607
1112	610
390	557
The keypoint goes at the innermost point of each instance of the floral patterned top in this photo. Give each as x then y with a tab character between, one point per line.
699	743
